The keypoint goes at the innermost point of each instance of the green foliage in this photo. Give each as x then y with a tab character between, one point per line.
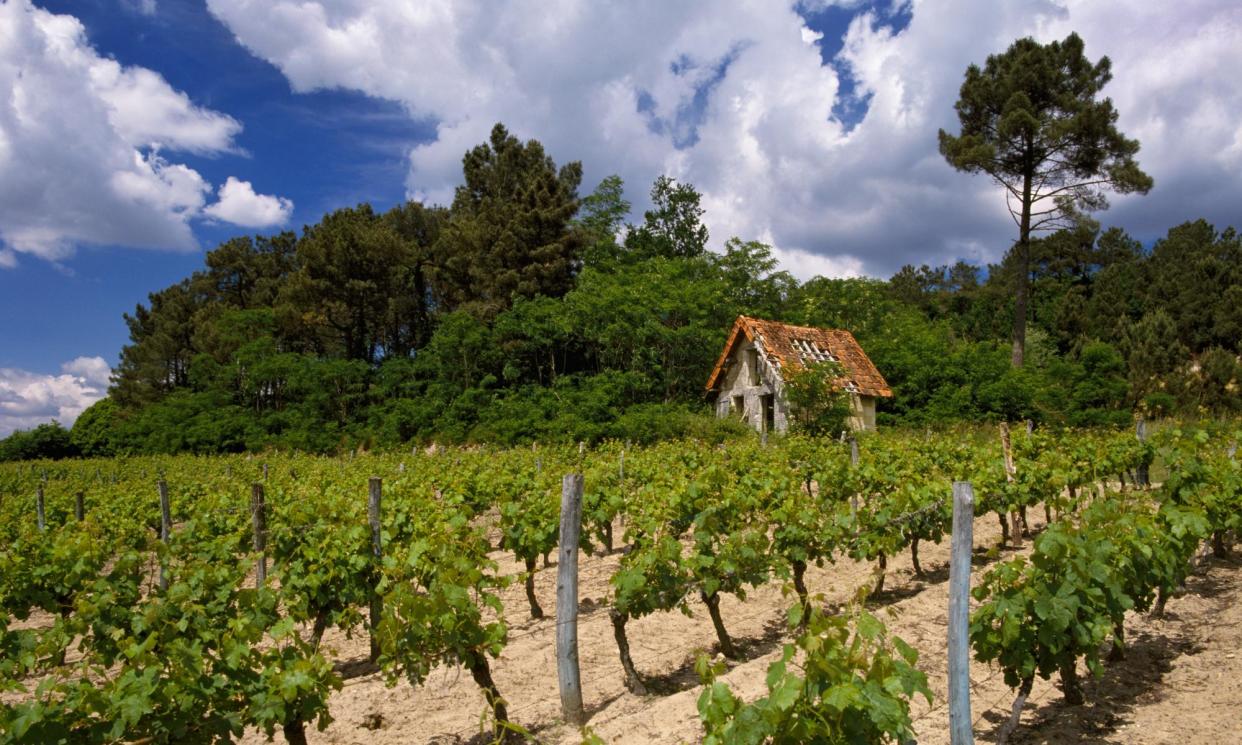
523	313
829	686
819	405
95	432
44	441
673	227
508	234
1154	352
117	658
1031	119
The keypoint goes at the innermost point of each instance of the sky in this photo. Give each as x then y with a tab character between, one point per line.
135	135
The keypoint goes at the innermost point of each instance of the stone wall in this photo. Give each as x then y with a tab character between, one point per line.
737	386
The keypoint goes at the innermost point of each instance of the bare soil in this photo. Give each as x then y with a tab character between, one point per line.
1181	681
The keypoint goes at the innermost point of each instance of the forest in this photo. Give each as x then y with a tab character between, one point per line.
528	311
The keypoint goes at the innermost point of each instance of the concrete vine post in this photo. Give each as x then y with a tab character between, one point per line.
374	495
960	732
567	672
1140	431
39	509
165	527
258	519
1017	519
854	458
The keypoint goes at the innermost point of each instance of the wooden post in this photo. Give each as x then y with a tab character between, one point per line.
258	521
265	472
854	458
373	516
39	513
1015	525
1140	431
567	601
165	527
79	506
621	468
959	614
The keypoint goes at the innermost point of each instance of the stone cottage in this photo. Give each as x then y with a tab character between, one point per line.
747	383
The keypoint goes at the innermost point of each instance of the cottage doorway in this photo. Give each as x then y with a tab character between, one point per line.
768	408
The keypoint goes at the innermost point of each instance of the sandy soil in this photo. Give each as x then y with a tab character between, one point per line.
1179	683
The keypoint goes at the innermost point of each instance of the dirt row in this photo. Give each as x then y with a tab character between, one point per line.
1180	681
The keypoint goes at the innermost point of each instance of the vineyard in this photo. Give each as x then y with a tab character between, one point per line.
189	599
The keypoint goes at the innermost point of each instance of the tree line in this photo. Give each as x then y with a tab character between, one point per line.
526	311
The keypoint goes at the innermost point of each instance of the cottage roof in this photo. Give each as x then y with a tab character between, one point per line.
788	346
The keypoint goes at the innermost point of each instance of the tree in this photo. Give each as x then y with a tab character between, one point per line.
411	315
510	232
1219	379
95	434
673	227
1098	388
49	440
353	267
1154	352
755	287
1031	120
157	359
818	405
601	218
1195	274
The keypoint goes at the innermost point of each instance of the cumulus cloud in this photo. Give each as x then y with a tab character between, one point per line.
736	98
240	205
28	399
83	142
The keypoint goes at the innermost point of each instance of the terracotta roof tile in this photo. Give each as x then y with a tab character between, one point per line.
791	346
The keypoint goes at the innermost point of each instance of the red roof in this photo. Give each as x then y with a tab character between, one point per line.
788	346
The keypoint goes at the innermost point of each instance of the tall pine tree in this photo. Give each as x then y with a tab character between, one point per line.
1030	119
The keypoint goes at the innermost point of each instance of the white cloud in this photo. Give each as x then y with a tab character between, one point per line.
735	98
92	370
240	205
28	399
82	143
145	7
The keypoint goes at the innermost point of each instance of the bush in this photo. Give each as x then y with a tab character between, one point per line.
1159	404
50	441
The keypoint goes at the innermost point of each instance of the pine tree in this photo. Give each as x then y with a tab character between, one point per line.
1031	120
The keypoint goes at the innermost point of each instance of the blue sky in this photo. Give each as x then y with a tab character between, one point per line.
323	150
140	133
